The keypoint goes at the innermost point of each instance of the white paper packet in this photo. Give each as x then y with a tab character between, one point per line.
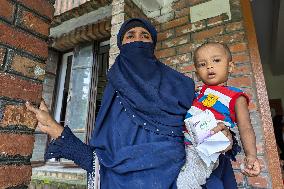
207	145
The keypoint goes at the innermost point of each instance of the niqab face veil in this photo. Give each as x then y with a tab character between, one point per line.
154	91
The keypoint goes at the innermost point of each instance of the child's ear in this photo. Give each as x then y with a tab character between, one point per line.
231	66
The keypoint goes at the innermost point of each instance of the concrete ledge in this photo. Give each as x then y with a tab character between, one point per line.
53	177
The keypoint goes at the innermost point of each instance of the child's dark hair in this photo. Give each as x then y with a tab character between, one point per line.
226	48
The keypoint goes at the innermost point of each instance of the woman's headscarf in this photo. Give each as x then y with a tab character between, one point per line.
155	92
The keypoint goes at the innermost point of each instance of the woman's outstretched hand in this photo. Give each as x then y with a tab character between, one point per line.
224	129
45	121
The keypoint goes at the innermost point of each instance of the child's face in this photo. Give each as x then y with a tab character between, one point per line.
212	64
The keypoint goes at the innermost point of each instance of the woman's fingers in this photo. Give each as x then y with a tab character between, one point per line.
31	108
43	106
42	127
42	116
45	121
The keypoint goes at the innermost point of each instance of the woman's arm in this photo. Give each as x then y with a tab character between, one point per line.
68	146
46	123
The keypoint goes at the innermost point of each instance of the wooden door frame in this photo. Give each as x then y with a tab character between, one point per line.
263	102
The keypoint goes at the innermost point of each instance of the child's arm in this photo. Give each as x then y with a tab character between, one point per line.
247	137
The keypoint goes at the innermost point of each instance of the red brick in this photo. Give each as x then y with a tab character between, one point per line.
16	144
230	38
28	67
185	68
262	181
179	5
182	12
241	58
179	59
242	69
2	56
175	23
14	87
238	47
249	92
165	53
176	41
194	2
231	27
243	81
260	148
217	19
22	40
186	48
158	45
239	160
165	35
190	28
34	23
104	28
199	36
157	26
133	11
252	106
263	164
42	7
18	115
7	10
14	175
240	179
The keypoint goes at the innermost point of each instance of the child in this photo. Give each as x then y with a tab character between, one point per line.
213	63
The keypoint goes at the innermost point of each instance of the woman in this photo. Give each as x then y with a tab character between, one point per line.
138	135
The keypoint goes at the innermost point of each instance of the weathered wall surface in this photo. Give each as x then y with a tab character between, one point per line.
24	30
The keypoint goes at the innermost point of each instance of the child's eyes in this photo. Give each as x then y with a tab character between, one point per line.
201	64
217	60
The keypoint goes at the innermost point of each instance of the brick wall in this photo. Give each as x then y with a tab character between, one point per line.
121	11
177	39
24	30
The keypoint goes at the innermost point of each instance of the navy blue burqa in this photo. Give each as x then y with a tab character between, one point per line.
138	133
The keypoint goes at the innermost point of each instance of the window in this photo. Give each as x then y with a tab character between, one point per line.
63	88
81	79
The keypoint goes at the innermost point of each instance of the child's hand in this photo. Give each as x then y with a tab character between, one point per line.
251	167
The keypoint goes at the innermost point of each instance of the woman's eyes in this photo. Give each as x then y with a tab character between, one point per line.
146	36
129	36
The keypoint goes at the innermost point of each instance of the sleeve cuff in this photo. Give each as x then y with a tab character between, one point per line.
55	147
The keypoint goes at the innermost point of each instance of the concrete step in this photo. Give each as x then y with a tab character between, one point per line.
58	177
